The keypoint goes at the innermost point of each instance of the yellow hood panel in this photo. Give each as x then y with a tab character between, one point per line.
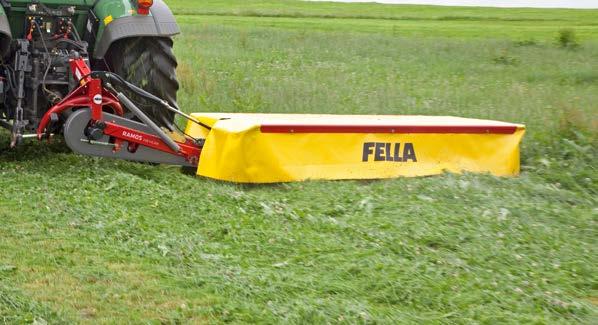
268	148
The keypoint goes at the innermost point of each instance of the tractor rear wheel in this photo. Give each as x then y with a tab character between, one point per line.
149	63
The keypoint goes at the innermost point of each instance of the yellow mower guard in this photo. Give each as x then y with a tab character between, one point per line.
269	148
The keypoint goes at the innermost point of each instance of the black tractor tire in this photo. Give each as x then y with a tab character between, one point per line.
149	63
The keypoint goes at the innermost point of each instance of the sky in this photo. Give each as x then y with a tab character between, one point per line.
493	3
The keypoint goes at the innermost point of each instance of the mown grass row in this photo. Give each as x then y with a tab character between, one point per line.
114	241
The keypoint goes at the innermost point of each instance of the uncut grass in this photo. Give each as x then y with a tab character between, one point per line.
522	31
405	20
305	9
99	241
267	70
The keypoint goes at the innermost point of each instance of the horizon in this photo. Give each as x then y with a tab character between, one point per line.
574	4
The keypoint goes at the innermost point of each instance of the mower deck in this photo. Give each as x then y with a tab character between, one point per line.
267	148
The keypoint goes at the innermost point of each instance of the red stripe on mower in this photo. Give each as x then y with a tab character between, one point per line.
473	129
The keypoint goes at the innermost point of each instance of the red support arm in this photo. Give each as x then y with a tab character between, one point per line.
91	94
187	150
80	98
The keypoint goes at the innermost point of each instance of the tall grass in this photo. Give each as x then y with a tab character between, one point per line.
237	69
305	9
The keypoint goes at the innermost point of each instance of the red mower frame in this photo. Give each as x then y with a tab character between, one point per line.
92	94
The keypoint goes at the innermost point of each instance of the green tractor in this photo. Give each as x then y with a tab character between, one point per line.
132	38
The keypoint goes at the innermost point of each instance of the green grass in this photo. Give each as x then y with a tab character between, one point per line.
302	9
404	20
98	241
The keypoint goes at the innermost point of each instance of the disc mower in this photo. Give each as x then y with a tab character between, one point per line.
101	73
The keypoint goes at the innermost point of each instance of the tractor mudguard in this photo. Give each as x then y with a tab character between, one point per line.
5	34
118	19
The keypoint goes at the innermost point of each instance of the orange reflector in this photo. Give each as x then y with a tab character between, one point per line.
143	6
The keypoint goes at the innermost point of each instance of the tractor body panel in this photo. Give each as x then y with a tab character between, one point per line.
38	38
118	19
103	22
5	32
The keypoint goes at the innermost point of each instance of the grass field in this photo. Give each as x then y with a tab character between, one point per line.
98	241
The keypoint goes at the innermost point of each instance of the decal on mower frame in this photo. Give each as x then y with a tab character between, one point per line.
138	138
131	135
382	152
